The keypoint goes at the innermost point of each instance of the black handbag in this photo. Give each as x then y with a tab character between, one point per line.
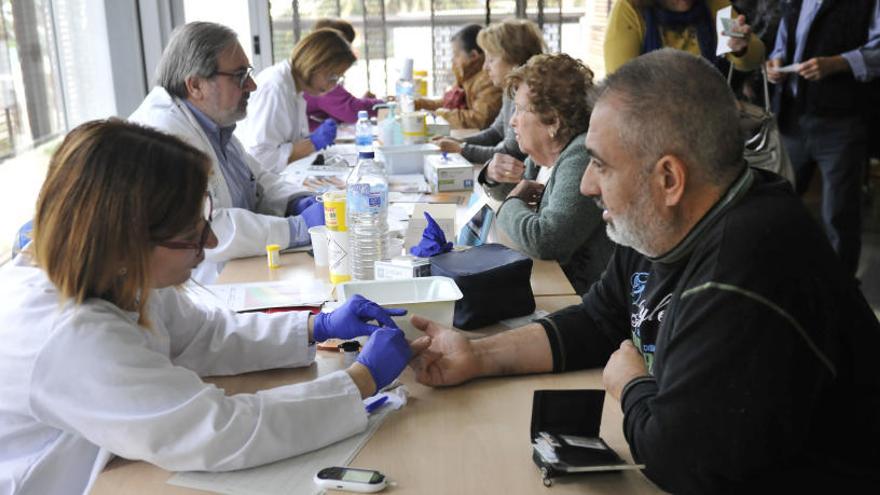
495	282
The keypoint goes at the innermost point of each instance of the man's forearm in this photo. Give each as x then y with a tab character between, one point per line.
516	352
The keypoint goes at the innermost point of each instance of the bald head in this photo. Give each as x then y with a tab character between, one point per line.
673	103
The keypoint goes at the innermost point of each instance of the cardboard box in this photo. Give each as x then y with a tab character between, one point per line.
448	172
442	213
402	267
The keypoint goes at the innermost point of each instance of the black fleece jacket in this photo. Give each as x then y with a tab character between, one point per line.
759	346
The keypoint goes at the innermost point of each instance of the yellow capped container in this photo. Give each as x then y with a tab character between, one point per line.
420	83
273	255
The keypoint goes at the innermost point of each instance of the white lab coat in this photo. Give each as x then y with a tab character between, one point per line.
276	118
80	383
240	232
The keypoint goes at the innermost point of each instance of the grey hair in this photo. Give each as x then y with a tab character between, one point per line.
192	51
675	103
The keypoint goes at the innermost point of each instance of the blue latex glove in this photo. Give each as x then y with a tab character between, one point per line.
433	240
22	237
386	354
298	205
314	214
324	135
350	320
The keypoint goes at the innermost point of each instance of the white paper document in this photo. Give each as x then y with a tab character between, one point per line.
722	48
291	476
789	68
262	295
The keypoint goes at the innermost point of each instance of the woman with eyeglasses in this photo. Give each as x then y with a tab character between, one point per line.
543	211
338	103
276	130
103	355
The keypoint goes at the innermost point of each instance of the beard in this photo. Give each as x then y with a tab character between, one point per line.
639	228
241	110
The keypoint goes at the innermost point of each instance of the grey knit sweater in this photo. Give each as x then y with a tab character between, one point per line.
567	226
497	138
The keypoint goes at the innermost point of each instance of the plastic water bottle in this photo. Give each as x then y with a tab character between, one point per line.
363	132
367	215
404	88
389	129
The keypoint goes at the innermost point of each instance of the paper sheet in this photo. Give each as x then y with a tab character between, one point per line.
263	295
789	68
722	48
294	475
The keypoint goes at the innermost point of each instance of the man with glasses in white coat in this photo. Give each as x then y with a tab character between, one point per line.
202	88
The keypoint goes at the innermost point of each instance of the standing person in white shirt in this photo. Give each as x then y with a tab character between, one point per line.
203	84
103	355
276	131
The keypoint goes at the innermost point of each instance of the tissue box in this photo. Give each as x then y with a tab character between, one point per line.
442	213
402	267
437	126
450	172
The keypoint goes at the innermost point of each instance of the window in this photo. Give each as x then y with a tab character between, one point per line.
388	32
30	99
31	109
234	14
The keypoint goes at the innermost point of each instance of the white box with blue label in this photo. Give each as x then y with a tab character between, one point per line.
448	172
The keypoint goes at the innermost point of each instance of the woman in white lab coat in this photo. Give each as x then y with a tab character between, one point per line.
276	130
103	355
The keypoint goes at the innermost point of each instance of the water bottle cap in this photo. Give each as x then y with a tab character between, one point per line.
362	114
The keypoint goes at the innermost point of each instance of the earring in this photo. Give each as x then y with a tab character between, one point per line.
552	134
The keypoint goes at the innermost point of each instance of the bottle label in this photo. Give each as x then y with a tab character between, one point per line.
362	199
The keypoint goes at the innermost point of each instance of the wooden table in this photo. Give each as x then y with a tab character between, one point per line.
461	440
547	277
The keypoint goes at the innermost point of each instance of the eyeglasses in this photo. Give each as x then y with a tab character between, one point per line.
335	79
203	237
242	75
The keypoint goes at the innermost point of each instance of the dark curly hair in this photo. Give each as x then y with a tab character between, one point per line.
560	87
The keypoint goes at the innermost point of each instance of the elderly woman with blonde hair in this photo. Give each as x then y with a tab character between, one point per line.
507	45
543	211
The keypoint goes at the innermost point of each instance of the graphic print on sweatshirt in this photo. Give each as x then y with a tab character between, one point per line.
648	309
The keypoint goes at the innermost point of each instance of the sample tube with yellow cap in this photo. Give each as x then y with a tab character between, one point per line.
273	255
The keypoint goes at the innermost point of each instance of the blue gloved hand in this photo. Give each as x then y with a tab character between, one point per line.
324	135
350	320
385	355
433	240
314	214
298	205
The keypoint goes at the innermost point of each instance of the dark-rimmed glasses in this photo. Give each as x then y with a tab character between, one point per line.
240	75
203	238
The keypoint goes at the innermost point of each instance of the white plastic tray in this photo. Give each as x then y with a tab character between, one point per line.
430	297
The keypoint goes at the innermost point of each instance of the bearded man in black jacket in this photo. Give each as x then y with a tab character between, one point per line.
739	347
